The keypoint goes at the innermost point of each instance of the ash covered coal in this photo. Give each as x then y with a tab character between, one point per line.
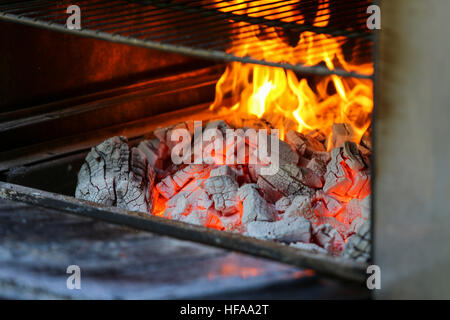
316	200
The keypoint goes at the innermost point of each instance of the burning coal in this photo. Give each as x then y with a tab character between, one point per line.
302	180
214	147
316	200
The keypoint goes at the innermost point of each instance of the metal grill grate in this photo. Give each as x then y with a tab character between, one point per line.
216	29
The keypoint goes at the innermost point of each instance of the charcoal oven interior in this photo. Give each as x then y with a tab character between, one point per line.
135	66
143	65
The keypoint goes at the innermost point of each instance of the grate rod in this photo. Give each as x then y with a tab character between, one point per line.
199	28
182	14
235	31
227	23
267	22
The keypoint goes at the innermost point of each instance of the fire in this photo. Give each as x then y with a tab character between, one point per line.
287	101
278	95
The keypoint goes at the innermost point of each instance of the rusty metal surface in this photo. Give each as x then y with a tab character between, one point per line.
324	264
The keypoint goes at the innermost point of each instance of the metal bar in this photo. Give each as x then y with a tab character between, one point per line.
182	14
212	55
251	32
223	22
219	15
266	22
231	5
324	264
191	30
194	39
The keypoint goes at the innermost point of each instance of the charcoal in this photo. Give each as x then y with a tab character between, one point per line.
255	207
295	229
358	247
223	191
114	175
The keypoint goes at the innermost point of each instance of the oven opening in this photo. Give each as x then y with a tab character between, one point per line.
266	133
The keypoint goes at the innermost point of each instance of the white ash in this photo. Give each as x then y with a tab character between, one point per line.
255	208
312	247
284	203
352	156
167	187
351	212
224	171
332	204
191	196
359	221
358	246
355	226
220	184
155	151
347	175
309	147
287	230
301	206
232	222
365	205
361	180
320	210
115	176
285	182
269	192
336	180
340	227
304	145
192	171
197	217
328	238
170	185
226	203
361	185
176	206
135	192
306	176
223	191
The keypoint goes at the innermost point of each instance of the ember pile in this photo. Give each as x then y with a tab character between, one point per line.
317	200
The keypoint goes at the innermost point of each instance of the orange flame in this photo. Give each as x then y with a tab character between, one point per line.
276	94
